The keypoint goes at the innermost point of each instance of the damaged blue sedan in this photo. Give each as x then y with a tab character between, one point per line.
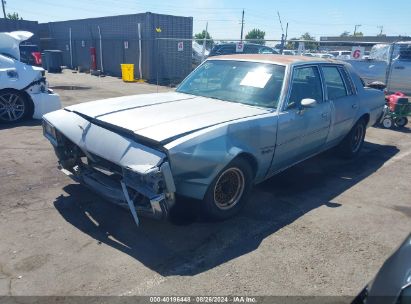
233	122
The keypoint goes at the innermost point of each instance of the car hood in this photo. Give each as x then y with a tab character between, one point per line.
10	42
163	117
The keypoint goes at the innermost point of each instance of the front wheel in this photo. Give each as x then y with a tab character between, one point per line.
14	106
228	193
351	146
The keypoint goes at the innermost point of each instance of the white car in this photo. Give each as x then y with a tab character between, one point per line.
23	88
341	55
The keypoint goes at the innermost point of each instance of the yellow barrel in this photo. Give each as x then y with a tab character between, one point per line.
127	72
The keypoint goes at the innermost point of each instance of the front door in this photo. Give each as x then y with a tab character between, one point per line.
301	131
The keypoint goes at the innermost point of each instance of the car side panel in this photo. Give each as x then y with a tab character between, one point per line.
196	159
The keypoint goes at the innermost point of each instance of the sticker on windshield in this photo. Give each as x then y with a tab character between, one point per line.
256	79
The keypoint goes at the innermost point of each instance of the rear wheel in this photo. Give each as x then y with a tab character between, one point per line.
401	121
228	193
351	146
14	106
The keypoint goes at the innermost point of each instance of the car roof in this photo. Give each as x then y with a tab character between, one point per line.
246	43
276	59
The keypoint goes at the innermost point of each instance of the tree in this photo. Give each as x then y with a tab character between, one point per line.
345	34
309	45
291	45
200	39
14	16
256	36
358	34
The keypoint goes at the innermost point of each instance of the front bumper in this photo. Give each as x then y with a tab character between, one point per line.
123	193
45	102
117	168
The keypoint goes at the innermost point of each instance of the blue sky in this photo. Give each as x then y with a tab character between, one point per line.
319	18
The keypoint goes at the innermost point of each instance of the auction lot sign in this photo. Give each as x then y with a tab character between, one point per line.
357	52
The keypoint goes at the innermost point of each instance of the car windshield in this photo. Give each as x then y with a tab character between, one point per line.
251	83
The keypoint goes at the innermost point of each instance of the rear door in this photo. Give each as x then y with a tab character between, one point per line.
341	94
302	132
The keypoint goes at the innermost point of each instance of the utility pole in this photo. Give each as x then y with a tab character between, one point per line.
3	4
204	43
355	29
242	26
286	33
381	27
282	33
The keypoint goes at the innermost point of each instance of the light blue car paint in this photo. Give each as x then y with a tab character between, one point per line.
199	136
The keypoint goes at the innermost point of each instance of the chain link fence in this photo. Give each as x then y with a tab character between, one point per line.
167	61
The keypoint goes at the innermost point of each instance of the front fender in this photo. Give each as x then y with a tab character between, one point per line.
197	159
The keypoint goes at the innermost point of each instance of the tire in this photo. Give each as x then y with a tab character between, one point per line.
14	106
401	122
387	122
351	145
237	179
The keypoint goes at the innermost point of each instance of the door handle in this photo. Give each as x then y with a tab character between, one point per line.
354	106
399	67
324	115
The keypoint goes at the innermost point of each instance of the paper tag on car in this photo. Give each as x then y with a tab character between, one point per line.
257	79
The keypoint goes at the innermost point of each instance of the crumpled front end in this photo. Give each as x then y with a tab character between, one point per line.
113	165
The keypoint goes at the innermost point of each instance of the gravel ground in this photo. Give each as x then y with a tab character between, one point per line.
323	227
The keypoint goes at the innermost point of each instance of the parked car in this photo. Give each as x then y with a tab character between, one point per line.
232	123
289	52
392	284
23	88
395	73
309	55
249	48
342	55
325	55
30	54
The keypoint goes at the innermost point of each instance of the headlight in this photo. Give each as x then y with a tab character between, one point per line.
49	130
12	74
148	184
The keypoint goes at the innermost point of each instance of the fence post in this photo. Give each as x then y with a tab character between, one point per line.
388	72
71	49
139	51
101	50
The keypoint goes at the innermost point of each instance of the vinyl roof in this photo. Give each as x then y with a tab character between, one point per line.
278	59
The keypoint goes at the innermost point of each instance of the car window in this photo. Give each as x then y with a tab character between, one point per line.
249	83
306	83
348	81
266	50
225	50
334	83
251	49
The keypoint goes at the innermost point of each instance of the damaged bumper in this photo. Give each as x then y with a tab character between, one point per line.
128	192
116	167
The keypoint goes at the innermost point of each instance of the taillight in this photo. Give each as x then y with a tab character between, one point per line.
37	57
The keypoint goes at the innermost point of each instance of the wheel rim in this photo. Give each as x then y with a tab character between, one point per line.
229	188
387	123
357	138
11	107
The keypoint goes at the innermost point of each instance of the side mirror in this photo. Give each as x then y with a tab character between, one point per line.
308	103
